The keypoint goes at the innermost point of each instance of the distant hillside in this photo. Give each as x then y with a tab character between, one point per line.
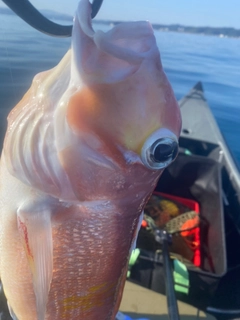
5	11
50	14
220	32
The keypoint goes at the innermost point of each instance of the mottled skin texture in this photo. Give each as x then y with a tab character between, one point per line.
72	182
91	243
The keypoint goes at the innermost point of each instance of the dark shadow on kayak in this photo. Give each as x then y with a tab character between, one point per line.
163	316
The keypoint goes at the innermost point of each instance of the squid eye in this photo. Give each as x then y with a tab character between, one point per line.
160	149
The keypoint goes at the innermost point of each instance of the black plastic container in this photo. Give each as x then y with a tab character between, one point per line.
199	178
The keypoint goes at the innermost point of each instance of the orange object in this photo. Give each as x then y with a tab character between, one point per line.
144	224
193	205
195	232
189	227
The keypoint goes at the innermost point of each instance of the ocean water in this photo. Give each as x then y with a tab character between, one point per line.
186	58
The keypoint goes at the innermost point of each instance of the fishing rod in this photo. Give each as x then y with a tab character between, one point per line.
25	10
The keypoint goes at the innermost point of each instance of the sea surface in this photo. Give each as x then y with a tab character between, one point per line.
186	58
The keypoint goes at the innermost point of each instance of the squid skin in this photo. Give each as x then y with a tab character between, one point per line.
72	181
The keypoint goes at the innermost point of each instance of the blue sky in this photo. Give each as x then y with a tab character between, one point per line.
215	13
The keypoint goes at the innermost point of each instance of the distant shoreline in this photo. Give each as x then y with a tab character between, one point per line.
222	32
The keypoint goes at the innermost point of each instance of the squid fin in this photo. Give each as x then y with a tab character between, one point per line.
34	224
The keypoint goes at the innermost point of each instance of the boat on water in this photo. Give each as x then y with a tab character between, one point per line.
205	171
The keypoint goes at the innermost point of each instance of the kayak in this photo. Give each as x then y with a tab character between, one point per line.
204	172
201	130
